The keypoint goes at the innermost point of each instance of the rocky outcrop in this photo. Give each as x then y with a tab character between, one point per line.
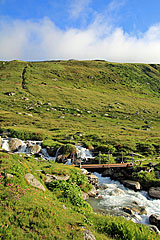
154	192
31	180
108	172
35	149
135	209
9	176
85	196
88	235
51	151
93	192
14	144
117	173
155	220
50	178
132	185
128	210
92	179
153	228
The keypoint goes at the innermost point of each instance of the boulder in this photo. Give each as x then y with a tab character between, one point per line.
51	151
128	210
93	192
118	175
85	196
10	93
117	192
88	235
14	144
153	228
31	180
108	172
139	209
0	142
154	192
155	220
9	176
35	149
92	179
132	184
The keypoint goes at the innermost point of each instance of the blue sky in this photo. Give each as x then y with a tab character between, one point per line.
114	30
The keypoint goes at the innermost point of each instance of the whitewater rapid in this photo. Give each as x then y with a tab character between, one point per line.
114	197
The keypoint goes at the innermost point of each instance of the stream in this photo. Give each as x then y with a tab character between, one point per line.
113	198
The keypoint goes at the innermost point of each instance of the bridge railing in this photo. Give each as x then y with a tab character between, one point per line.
110	158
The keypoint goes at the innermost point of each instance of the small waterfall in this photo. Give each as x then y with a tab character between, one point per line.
5	145
46	156
25	147
83	153
57	153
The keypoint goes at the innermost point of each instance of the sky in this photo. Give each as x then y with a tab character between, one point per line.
112	30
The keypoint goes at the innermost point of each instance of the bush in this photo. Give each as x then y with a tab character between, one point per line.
146	179
88	145
51	143
157	148
68	150
106	148
25	135
145	148
104	159
70	192
122	229
80	179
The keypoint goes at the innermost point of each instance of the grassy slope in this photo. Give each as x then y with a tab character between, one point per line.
128	93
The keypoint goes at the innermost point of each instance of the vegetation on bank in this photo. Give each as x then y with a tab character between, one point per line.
57	213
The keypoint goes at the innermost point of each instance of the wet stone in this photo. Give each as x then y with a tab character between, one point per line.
31	180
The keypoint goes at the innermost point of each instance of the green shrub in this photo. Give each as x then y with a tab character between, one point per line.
104	159
105	148
145	148
80	179
88	145
123	229
51	143
70	192
68	150
147	179
25	135
157	148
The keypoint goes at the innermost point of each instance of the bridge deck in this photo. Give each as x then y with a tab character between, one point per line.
115	165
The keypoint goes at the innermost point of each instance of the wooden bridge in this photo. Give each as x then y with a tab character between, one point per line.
104	166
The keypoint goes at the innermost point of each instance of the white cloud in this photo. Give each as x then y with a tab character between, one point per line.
78	7
27	40
115	5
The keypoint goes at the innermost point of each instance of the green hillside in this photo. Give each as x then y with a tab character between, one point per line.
107	106
108	102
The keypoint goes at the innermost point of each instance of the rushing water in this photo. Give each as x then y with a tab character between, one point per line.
82	152
115	197
26	148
